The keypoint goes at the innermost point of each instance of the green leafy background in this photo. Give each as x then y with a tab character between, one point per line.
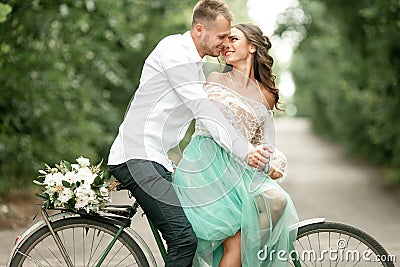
347	73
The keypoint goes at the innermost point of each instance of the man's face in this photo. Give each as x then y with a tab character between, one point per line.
215	38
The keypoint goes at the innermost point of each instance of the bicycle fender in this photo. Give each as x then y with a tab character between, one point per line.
307	222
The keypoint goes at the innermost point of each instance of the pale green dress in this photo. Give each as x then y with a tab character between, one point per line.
221	194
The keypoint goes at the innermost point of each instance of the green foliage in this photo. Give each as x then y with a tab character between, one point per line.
67	72
4	11
239	10
347	72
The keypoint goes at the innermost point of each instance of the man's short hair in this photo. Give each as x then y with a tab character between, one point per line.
207	11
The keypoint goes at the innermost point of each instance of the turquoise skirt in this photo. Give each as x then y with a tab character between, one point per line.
222	195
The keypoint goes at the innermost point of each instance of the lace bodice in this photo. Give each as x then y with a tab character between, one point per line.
249	117
246	115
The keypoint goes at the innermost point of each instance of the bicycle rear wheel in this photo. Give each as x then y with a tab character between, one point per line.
336	244
85	240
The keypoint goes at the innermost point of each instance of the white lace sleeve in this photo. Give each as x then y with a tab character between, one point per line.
250	118
279	163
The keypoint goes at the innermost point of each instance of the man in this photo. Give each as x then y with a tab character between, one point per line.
169	96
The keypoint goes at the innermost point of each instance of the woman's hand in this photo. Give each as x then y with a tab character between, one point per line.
259	156
274	174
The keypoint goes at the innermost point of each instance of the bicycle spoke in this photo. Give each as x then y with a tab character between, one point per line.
115	254
91	249
122	260
311	249
73	245
299	256
358	245
51	251
42	257
329	245
93	252
83	245
32	259
319	247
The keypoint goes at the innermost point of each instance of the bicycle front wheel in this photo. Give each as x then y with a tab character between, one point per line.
336	244
85	241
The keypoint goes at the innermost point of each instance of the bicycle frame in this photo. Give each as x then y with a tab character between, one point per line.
158	238
56	238
296	262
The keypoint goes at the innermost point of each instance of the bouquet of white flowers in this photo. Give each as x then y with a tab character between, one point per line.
76	187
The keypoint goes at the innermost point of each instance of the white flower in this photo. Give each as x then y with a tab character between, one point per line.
75	166
49	180
65	195
83	162
83	190
53	179
81	201
70	177
58	178
91	195
86	175
53	189
103	191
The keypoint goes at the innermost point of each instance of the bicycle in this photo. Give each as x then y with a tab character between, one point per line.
106	239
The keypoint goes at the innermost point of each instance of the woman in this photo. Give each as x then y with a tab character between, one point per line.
239	214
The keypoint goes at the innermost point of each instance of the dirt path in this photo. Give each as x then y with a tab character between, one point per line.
324	182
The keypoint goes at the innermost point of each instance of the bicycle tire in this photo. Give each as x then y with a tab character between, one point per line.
339	245
80	236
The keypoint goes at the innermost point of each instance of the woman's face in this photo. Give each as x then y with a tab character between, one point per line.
239	48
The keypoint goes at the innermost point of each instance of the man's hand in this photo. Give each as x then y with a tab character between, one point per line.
258	156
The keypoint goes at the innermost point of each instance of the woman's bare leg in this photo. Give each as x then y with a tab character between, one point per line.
269	211
270	207
232	254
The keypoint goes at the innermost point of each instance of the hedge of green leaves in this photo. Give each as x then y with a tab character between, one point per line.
67	72
347	73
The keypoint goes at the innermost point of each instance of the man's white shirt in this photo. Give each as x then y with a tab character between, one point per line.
171	94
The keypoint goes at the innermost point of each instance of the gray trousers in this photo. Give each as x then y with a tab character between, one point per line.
151	185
